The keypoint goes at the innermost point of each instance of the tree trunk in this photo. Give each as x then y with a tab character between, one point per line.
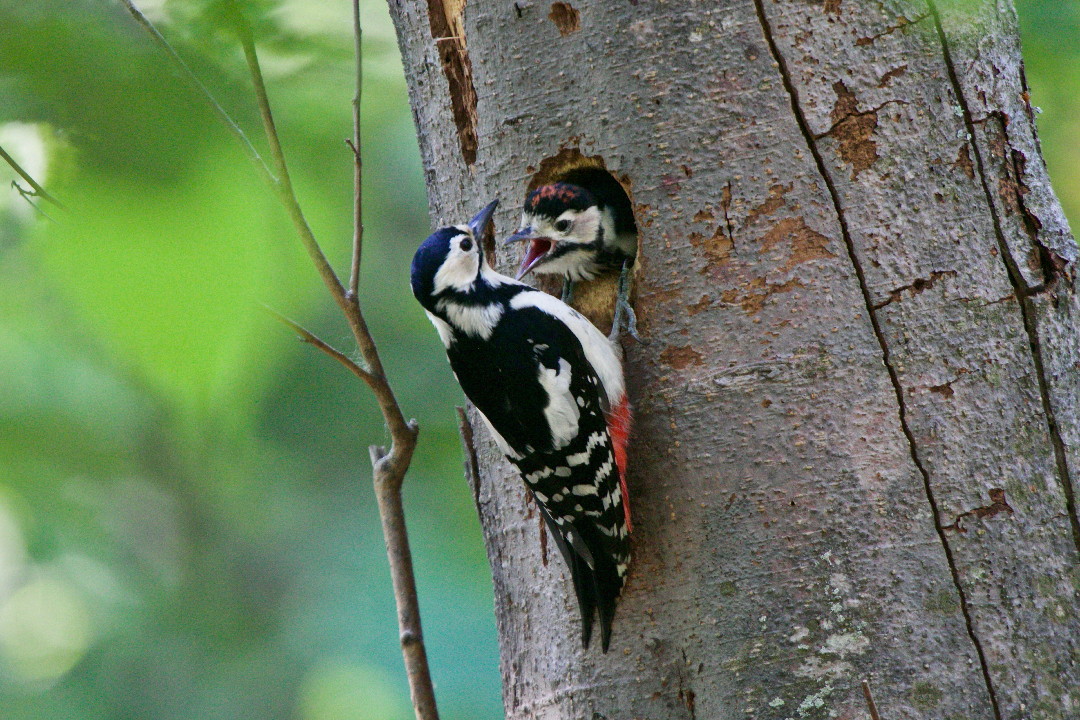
857	416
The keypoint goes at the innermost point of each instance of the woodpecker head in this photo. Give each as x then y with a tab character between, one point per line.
558	222
450	260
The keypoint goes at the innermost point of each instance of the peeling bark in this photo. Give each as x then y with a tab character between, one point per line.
859	297
448	34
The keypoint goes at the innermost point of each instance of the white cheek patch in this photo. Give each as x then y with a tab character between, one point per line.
459	269
562	412
588	222
583	225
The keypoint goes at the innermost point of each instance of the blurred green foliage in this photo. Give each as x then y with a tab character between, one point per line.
187	528
1050	30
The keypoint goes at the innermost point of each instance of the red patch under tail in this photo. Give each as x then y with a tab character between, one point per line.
618	422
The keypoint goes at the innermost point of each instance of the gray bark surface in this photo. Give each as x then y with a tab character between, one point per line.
857	423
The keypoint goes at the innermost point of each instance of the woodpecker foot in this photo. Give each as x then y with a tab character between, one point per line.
624	312
567	291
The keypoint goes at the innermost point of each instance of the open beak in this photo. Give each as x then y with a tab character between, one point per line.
539	247
525	233
480	221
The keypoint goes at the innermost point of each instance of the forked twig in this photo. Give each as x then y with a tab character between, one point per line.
314	340
28	196
38	190
283	183
350	306
389	466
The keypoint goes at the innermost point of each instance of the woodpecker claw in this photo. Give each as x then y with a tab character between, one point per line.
631	323
567	291
623	309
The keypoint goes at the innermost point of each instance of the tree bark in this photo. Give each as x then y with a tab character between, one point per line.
857	418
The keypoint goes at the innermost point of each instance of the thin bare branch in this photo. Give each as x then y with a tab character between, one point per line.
312	339
28	196
870	701
284	186
388	473
388	467
384	395
358	166
190	76
38	190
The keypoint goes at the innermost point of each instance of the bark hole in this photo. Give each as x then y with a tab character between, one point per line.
588	171
565	17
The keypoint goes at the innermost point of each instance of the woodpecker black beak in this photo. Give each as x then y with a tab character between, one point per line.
479	223
525	233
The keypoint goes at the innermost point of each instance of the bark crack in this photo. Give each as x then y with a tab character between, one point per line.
686	696
998	504
915	288
1020	288
886	358
901	23
725	203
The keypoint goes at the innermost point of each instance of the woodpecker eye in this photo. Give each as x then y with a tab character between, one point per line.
562	225
466	245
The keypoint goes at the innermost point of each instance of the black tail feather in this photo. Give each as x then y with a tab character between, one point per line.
579	573
597	588
604	582
586	595
606	607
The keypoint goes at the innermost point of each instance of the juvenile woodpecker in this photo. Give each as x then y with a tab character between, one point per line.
550	388
579	233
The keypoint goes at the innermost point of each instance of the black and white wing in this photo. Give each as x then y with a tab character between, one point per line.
545	404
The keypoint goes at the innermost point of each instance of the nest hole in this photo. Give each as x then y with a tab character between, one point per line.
594	298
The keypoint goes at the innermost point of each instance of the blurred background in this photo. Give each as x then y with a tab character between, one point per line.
187	526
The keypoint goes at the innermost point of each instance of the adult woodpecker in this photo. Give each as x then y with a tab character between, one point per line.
580	231
550	388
